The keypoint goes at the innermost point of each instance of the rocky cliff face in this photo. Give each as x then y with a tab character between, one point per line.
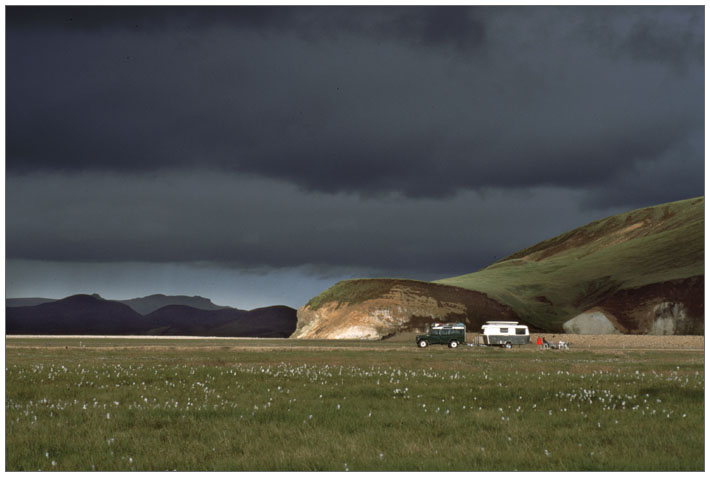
392	306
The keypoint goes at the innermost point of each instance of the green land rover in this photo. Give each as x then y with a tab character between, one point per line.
451	334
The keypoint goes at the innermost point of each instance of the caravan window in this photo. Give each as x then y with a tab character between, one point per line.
519	331
504	331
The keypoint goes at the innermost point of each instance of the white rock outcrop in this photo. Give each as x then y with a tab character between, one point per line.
593	322
668	319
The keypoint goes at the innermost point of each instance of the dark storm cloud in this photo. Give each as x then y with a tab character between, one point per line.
420	101
243	222
256	155
144	17
424	26
653	183
458	26
667	36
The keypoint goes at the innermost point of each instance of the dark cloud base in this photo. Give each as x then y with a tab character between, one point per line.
418	142
419	101
246	222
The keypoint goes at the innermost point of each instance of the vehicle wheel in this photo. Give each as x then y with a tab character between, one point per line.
453	344
508	346
423	344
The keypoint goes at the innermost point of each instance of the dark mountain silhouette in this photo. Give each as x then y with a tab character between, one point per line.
78	314
92	315
13	302
149	304
143	305
273	321
269	322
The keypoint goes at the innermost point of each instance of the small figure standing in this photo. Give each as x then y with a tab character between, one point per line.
539	342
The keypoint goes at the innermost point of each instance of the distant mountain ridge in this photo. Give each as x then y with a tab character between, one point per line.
143	305
151	303
274	322
93	315
77	314
13	302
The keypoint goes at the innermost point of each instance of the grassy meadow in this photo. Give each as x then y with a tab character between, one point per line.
191	405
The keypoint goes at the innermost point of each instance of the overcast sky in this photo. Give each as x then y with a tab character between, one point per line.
257	155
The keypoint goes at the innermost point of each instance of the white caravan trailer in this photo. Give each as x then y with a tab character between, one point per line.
505	333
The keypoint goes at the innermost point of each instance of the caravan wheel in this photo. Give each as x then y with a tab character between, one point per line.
508	345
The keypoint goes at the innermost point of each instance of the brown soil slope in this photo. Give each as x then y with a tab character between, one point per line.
675	307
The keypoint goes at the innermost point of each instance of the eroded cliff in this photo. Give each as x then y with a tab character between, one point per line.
376	308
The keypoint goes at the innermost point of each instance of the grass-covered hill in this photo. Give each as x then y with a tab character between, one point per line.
643	271
622	261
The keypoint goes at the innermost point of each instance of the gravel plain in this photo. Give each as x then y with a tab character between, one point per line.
575	341
695	343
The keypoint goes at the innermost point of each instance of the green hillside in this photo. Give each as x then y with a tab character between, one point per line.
554	280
